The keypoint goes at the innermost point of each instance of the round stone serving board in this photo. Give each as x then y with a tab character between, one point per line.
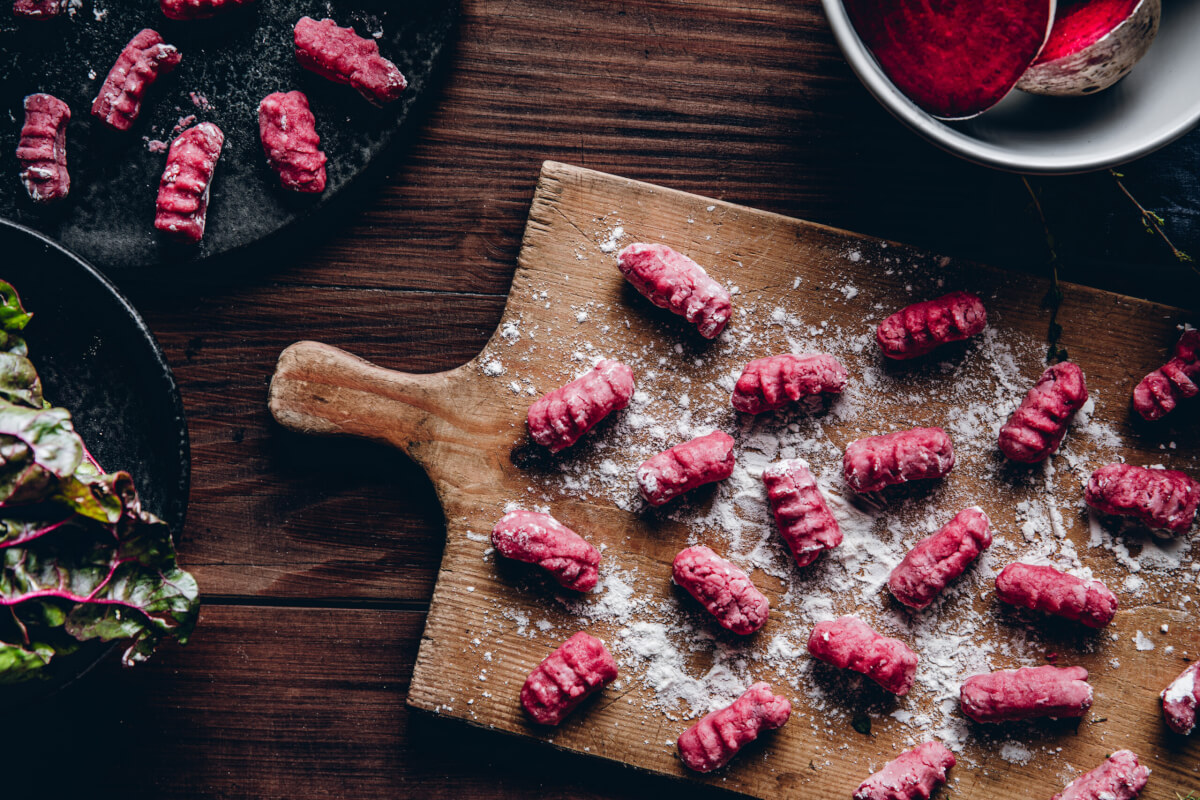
230	64
97	358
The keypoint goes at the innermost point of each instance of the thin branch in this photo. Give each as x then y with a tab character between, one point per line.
1054	297
1154	223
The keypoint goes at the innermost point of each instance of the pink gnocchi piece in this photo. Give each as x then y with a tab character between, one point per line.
713	741
559	418
913	775
198	9
724	590
143	61
288	131
183	190
767	384
705	459
42	149
542	540
923	327
1159	392
580	667
938	559
675	282
850	643
1037	427
37	9
1043	588
803	518
1160	498
1120	777
1026	693
342	56
1179	701
877	462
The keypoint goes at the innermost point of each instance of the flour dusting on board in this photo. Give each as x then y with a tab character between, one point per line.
675	663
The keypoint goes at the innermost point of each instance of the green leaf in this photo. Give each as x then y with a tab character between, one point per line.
11	343
38	447
19	382
13	316
18	663
862	724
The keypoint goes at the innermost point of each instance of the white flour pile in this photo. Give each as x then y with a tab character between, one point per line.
675	663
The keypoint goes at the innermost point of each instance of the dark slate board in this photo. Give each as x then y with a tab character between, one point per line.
97	358
232	62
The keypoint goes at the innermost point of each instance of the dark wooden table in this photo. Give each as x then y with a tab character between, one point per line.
317	558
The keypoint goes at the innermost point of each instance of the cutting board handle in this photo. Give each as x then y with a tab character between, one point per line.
319	389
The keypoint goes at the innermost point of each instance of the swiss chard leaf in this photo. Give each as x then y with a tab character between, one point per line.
19	382
19	529
129	591
18	663
38	448
11	343
13	316
79	557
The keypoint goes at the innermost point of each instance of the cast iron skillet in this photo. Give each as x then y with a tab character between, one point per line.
230	63
97	358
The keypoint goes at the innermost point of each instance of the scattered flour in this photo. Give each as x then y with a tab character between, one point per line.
675	665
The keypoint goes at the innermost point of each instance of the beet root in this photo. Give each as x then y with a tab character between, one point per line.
953	59
1094	43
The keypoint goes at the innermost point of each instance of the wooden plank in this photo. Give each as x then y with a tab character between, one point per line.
465	428
271	702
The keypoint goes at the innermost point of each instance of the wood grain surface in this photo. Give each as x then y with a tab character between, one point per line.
748	102
465	428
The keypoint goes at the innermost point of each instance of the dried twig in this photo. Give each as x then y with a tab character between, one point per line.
1054	298
1154	223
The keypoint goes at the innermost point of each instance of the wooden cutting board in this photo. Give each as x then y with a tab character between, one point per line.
798	286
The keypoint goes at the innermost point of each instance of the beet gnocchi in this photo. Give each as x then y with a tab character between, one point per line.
675	282
713	741
850	643
1026	693
342	56
1164	499
1120	777
921	328
183	191
542	540
288	131
1159	392
1037	427
803	518
143	61
198	9
577	669
938	559
38	9
877	462
1179	701
767	384
42	150
705	459
559	418
1045	589
913	775
724	590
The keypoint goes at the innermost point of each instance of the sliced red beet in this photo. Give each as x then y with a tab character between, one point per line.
1094	43
1082	23
953	58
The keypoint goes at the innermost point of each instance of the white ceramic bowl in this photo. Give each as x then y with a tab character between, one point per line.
1156	103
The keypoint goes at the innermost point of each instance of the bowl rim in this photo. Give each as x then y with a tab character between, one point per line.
863	64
